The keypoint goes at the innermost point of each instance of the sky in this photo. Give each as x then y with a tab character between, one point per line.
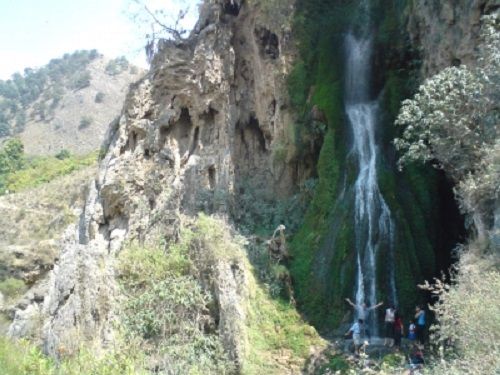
32	32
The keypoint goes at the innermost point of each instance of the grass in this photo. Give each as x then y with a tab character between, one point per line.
23	358
41	170
12	287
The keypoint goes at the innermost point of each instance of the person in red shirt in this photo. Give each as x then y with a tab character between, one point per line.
398	330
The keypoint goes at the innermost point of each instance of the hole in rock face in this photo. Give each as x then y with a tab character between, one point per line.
251	134
211	177
268	43
133	140
231	7
163	136
196	138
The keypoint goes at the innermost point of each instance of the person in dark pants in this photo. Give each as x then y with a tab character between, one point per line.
398	330
420	318
389	326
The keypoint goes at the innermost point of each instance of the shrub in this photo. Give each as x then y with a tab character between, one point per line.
167	308
85	122
453	121
99	97
80	80
63	154
116	66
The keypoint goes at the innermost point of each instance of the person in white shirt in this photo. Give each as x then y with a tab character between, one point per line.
361	309
389	326
356	329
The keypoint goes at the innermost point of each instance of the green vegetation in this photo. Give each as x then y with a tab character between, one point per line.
32	172
12	287
468	315
323	248
22	358
85	122
117	66
23	90
99	97
11	160
168	308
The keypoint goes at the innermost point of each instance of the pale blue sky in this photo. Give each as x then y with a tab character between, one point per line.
34	31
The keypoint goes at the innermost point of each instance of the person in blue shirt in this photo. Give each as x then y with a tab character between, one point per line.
420	318
356	329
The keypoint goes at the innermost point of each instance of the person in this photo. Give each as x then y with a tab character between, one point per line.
389	326
412	331
356	330
362	312
416	359
398	330
420	318
361	309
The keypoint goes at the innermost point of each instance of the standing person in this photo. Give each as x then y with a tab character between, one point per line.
412	331
398	330
389	326
356	330
420	318
362	312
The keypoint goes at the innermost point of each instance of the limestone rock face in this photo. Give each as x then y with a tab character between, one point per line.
198	128
447	31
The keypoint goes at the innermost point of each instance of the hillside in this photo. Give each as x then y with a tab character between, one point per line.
67	104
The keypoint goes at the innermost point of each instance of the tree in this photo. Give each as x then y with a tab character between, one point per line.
161	24
453	122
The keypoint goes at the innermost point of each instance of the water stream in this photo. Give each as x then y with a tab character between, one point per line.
374	226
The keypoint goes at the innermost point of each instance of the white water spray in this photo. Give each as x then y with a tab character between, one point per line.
374	226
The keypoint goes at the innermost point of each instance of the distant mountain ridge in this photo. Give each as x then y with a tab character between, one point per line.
67	104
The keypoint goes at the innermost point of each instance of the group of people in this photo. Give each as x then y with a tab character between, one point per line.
394	329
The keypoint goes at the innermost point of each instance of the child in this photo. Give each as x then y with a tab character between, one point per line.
412	331
356	330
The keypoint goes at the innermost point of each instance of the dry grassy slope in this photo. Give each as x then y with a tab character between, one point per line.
61	131
32	221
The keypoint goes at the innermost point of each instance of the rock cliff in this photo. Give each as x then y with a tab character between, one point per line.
203	123
447	32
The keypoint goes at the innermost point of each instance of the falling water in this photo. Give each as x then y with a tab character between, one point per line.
374	227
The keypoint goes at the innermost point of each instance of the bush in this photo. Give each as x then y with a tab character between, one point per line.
63	154
80	80
99	97
453	121
85	122
167	306
468	316
116	66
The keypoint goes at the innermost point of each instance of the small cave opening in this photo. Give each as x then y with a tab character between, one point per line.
231	7
196	138
268	42
163	136
251	133
185	122
208	129
212	177
132	141
452	222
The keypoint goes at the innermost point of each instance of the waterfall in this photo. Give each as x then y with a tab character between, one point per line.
374	227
